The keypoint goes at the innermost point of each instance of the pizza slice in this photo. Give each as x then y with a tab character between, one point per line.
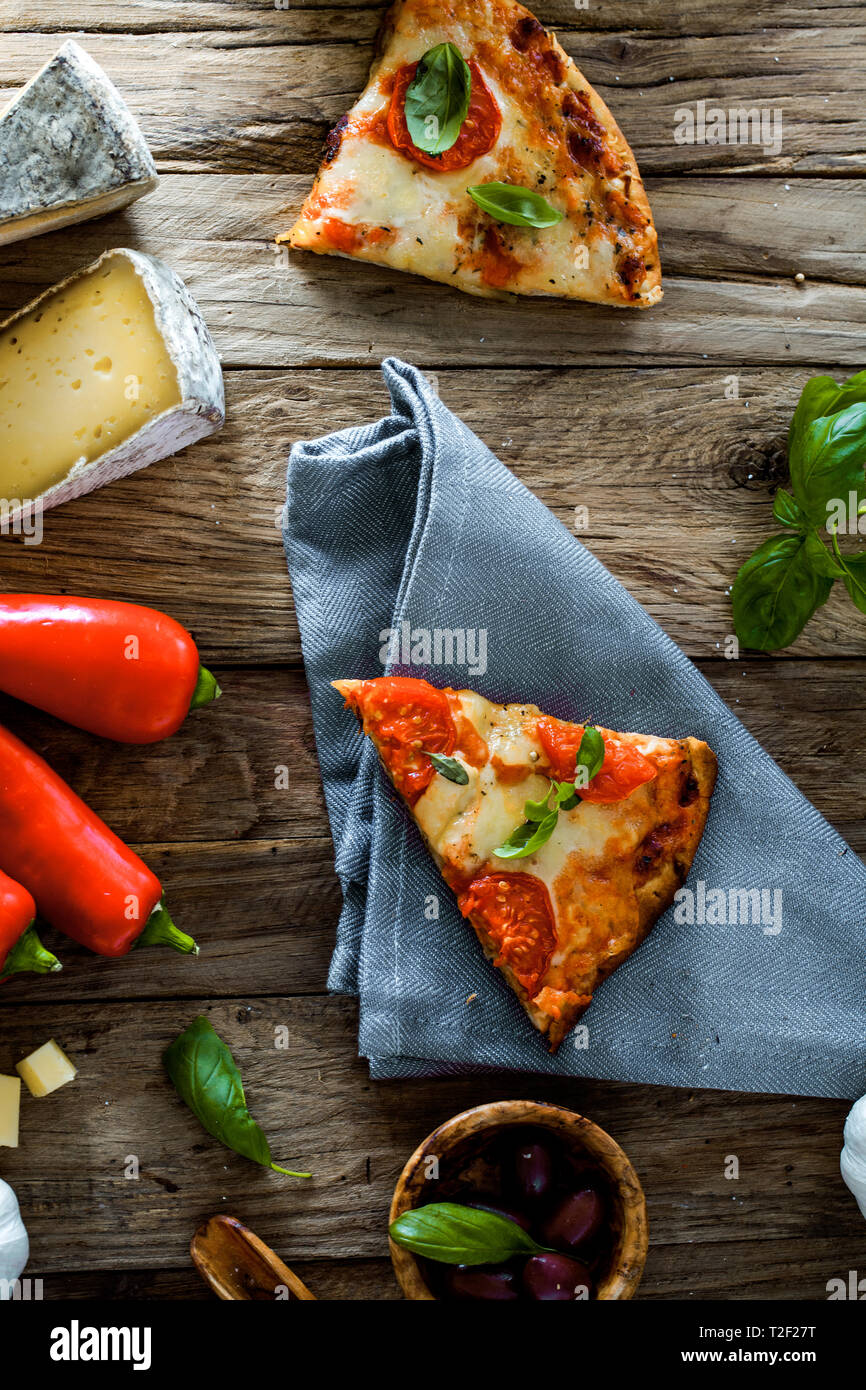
479	155
563	843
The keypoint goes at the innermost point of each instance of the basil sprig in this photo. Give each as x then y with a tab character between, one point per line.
205	1075
791	575
457	1235
449	767
437	99
519	207
542	816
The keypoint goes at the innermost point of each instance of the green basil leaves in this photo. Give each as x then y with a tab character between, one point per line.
542	816
790	576
519	207
437	99
457	1235
205	1076
449	768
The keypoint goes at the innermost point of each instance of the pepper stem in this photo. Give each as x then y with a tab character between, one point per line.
206	690
28	953
159	930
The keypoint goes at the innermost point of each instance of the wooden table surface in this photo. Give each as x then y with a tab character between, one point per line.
626	414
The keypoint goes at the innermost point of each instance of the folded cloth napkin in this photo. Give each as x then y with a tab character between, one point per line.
410	525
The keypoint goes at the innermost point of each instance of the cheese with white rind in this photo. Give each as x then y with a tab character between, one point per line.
70	149
197	410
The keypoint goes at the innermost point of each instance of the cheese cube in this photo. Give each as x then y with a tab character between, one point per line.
10	1104
46	1069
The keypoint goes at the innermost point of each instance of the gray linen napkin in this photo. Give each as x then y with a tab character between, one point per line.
411	525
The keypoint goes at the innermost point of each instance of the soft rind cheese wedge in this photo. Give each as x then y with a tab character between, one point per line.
69	149
46	1069
104	374
10	1106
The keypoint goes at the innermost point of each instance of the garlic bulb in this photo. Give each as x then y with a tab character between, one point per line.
14	1245
853	1161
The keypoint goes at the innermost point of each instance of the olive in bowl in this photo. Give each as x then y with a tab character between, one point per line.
517	1200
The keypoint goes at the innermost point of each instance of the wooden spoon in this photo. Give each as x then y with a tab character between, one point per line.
238	1265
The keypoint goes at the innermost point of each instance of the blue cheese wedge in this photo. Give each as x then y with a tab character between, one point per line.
104	374
69	149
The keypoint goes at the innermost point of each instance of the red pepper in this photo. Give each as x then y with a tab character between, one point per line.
20	947
115	669
86	882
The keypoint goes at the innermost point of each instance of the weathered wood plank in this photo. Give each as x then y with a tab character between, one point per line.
241	101
264	915
677	487
268	306
755	229
318	1108
297	20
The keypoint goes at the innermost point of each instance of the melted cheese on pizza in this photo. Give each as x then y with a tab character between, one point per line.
557	137
561	918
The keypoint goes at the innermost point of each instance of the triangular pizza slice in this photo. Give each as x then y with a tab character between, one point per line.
563	843
479	155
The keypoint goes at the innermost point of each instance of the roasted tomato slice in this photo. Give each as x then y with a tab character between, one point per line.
515	912
405	715
478	134
624	769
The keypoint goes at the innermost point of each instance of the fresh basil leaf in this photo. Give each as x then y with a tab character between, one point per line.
455	1235
449	768
853	574
823	396
519	207
590	756
528	837
829	462
854	579
816	399
205	1075
820	559
787	512
565	796
775	594
437	99
539	810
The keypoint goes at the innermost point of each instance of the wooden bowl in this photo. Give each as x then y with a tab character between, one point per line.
456	1143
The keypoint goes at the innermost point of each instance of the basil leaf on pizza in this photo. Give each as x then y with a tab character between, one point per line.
519	207
449	768
437	100
590	756
528	837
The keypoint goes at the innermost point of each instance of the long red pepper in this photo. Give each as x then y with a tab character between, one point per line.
20	947
116	669
86	882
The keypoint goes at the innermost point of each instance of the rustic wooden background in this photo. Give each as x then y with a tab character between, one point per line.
625	414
